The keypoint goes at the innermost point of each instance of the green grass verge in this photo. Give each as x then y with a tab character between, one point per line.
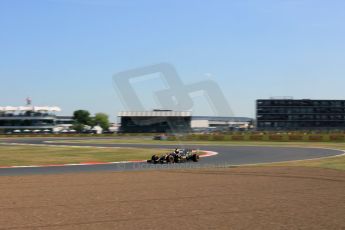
302	136
201	143
37	155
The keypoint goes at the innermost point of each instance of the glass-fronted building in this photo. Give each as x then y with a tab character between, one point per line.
157	121
289	114
28	119
167	121
215	124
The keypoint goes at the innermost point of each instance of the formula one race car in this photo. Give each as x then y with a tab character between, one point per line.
179	156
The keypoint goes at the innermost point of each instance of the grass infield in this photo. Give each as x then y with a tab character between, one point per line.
37	155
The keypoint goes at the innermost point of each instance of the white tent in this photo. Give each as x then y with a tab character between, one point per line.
36	131
73	131
25	108
47	109
17	131
55	109
27	131
46	130
41	109
97	129
10	109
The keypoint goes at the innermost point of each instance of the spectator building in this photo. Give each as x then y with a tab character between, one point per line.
31	119
156	121
167	121
306	114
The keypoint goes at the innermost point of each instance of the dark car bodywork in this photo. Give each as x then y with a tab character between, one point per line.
180	156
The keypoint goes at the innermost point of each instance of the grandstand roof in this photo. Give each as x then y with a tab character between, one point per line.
155	114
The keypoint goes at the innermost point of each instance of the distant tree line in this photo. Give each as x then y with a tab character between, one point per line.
83	118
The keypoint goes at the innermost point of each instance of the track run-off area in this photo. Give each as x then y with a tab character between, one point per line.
214	156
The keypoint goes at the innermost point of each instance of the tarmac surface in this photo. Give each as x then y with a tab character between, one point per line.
227	156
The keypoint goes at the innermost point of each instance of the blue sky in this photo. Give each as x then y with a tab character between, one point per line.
65	52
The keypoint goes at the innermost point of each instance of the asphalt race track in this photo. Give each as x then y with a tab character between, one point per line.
228	155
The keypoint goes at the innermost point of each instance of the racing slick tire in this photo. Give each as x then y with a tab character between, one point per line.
195	158
154	159
170	159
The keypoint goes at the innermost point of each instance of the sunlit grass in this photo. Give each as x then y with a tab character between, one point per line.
36	155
